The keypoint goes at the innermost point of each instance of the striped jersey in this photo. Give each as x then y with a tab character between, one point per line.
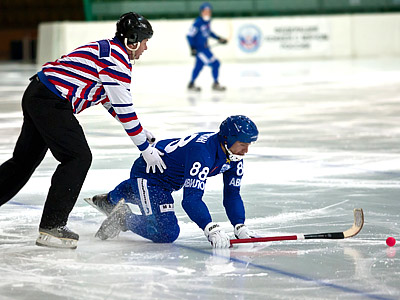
99	72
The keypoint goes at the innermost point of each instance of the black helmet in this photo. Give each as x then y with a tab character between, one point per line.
133	27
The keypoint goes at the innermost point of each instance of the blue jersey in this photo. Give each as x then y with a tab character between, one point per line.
199	33
190	161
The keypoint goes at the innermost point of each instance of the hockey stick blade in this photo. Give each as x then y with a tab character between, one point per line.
355	229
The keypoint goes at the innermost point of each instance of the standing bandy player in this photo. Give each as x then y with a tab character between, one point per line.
198	40
99	72
190	161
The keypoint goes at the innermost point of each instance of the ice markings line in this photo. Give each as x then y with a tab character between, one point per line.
23	204
71	217
292	275
286	158
262	267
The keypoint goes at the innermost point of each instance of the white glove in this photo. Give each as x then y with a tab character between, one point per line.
243	232
149	136
152	157
216	236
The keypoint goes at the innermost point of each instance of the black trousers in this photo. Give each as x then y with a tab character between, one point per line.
49	123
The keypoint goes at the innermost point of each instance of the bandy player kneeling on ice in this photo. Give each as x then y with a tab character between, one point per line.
189	161
99	72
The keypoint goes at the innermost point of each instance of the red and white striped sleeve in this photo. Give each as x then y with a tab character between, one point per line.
116	80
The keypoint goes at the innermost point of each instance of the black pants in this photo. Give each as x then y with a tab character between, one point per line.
49	123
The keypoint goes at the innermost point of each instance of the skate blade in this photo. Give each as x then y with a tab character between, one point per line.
108	233
99	234
109	230
91	203
47	240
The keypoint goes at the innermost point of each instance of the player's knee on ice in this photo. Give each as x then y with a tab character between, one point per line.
166	233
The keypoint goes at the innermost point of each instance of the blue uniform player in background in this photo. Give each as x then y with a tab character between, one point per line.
198	41
190	161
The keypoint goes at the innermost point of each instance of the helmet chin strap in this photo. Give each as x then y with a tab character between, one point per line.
231	156
132	49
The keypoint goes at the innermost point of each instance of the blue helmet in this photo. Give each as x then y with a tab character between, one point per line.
205	5
237	128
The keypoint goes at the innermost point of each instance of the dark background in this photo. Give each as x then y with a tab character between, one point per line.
19	19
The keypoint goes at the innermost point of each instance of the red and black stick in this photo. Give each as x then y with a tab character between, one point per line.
356	228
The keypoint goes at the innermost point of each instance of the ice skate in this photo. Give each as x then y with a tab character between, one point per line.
115	222
57	237
101	203
217	87
193	88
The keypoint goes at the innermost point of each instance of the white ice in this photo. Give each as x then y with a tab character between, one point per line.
329	142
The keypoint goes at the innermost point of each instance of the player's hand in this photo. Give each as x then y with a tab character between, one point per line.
152	157
149	136
243	232
193	51
216	236
222	41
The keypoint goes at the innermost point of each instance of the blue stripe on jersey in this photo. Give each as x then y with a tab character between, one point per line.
104	50
110	83
102	93
106	62
88	90
81	65
95	58
49	85
125	116
121	57
120	74
77	103
67	83
73	74
143	146
136	128
58	79
122	105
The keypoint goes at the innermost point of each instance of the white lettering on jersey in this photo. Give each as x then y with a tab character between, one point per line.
235	182
196	169
204	137
239	170
166	207
144	196
194	183
179	143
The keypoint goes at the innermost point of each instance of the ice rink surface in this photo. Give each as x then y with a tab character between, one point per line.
329	142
